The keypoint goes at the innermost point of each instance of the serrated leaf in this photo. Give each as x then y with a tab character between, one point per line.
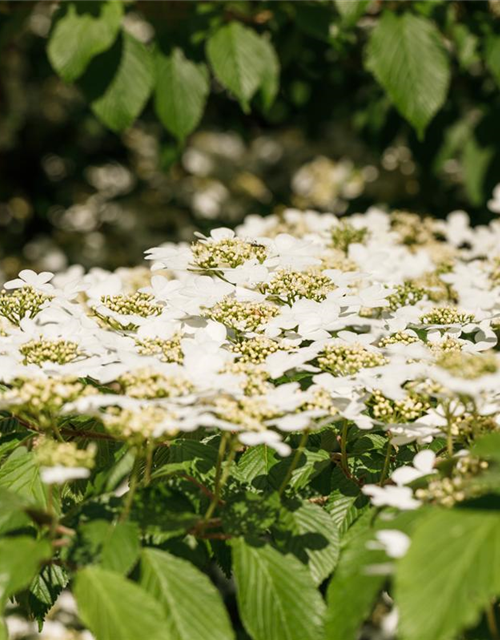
270	80
476	160
20	474
181	91
250	514
235	55
113	607
191	603
311	463
492	57
308	532
255	465
463	576
407	57
45	589
353	589
121	547
20	560
118	83
80	32
276	595
351	10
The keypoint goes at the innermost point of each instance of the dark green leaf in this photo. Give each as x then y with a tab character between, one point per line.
406	55
310	534
276	595
453	561
20	560
113	607
81	31
180	92
236	56
118	83
192	605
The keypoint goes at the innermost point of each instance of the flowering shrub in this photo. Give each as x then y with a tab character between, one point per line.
269	434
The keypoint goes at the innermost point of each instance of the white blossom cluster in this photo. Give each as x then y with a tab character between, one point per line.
295	322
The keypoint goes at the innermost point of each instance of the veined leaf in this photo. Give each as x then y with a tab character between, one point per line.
453	561
276	595
406	55
192	605
309	533
180	93
81	31
118	83
20	560
236	56
113	607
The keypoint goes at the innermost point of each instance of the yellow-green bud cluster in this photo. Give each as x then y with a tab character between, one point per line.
448	345
137	425
43	398
256	350
468	365
387	410
412	228
57	351
445	316
256	379
170	350
290	285
458	487
321	399
227	253
401	337
348	359
345	234
26	302
242	316
133	304
149	384
51	453
404	295
249	412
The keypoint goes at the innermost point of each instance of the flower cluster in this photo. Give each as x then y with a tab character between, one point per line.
292	324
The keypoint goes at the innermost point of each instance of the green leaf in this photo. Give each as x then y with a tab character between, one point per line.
492	57
20	560
309	533
255	465
351	10
276	595
20	474
121	547
180	93
44	591
270	79
353	589
118	83
453	561
235	54
80	32
250	514
113	607
476	160
311	463
192	605
406	55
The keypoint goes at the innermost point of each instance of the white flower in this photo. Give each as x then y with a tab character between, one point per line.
29	278
60	474
423	465
271	438
390	496
394	542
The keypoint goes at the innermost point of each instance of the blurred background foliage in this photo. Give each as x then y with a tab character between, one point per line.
126	124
